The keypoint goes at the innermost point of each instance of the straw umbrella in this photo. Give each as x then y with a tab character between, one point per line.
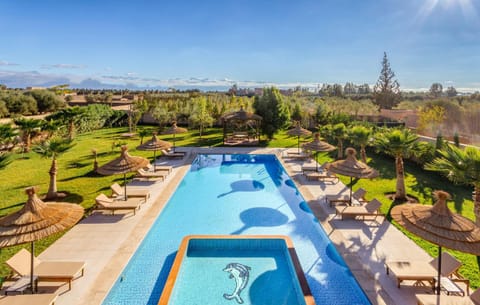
318	146
174	130
123	165
352	168
154	144
37	220
298	131
437	224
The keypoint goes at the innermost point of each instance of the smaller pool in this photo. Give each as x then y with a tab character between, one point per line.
231	270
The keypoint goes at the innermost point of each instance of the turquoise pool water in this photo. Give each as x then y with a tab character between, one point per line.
241	270
236	194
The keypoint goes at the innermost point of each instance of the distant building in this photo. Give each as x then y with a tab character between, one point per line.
35	88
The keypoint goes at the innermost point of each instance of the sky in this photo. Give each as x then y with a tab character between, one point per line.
251	43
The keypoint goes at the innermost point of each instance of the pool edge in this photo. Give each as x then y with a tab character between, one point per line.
170	282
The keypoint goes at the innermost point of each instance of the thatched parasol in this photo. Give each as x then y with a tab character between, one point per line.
298	131
439	225
318	146
174	130
352	168
123	165
154	144
37	220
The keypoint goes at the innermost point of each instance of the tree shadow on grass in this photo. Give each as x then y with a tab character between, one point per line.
385	165
76	164
427	182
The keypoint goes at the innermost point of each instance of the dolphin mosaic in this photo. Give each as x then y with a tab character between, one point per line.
241	274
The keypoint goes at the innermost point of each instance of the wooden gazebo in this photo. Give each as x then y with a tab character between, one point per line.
236	127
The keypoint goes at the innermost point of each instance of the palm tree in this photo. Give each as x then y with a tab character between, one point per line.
460	166
7	136
399	143
69	117
339	132
360	136
4	160
52	149
28	127
142	133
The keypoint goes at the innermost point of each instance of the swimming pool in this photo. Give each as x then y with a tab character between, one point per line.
229	195
236	267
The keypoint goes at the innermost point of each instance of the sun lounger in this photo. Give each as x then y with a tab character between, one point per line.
299	156
432	299
159	168
118	191
314	168
427	272
29	299
176	154
46	271
344	198
141	173
109	204
371	208
418	272
322	176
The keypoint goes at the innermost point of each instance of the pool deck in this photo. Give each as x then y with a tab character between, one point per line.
106	242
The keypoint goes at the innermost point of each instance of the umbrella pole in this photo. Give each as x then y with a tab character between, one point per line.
351	186
32	249
174	141
125	186
154	160
298	145
439	269
316	161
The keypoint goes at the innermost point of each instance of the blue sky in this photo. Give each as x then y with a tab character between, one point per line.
212	43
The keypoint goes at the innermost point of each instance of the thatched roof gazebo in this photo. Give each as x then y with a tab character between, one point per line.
234	120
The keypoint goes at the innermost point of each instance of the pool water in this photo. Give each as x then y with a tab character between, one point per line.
216	271
228	195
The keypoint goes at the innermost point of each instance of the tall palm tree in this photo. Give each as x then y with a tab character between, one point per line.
360	136
52	149
399	143
460	166
28	127
339	132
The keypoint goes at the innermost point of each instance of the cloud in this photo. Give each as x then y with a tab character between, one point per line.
15	79
6	63
62	66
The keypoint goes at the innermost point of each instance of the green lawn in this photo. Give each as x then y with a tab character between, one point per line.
76	177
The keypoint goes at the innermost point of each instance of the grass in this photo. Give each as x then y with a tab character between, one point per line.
77	179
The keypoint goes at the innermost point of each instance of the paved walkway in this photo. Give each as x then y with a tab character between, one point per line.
106	243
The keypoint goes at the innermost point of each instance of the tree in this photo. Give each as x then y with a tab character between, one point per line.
7	136
360	136
69	117
460	166
339	132
200	116
46	100
451	91
28	128
387	89
297	112
436	90
52	149
142	133
5	159
399	143
273	110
